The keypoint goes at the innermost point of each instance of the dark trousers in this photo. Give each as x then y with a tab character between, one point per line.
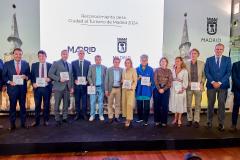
236	104
143	109
161	102
42	94
221	97
20	96
80	93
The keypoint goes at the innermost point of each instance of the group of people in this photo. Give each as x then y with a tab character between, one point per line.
172	89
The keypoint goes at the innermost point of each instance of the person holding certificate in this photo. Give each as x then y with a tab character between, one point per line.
96	78
144	89
113	89
163	82
15	74
42	88
196	79
129	80
178	102
80	69
2	87
218	71
61	74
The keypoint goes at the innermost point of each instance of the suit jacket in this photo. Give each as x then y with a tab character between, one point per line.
8	72
109	79
92	75
1	77
236	77
54	74
201	74
214	73
76	69
35	72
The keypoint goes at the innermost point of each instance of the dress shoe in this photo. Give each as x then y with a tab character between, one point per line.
117	120
45	123
196	125
58	123
77	117
189	123
65	121
209	125
233	128
24	126
220	127
34	124
12	127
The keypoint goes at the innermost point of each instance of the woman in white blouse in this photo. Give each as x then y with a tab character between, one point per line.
178	102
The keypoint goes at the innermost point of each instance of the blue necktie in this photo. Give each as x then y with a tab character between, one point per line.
218	62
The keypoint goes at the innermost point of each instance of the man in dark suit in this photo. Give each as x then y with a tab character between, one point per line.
80	71
61	74
236	92
16	87
217	71
42	87
1	84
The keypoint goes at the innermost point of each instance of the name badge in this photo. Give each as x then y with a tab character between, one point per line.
127	84
64	76
82	80
17	79
145	81
41	82
91	90
195	86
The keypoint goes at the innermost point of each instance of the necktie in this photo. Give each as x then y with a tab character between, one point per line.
42	71
18	68
66	66
81	68
218	62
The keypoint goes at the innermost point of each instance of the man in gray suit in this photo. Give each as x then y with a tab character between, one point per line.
196	78
113	88
61	74
96	77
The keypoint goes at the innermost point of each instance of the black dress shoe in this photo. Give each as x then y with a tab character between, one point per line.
196	125
209	125
220	127
65	121
189	123
12	127
24	126
58	123
45	123
77	117
34	124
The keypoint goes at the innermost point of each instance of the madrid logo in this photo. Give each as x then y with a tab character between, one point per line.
122	45
211	26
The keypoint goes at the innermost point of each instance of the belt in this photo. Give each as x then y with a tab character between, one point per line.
116	87
98	86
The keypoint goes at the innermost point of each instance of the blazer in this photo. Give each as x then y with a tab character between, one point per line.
8	72
201	73
1	77
236	77
214	73
109	79
54	74
92	75
76	68
35	72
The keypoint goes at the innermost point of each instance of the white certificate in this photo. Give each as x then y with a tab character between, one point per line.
64	76
145	81
195	86
127	84
82	80
41	82
17	79
91	90
177	86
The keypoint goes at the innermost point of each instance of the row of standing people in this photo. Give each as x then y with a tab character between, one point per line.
172	89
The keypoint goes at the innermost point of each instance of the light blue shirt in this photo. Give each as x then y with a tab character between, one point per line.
98	75
116	75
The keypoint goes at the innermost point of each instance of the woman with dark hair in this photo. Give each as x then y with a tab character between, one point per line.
178	99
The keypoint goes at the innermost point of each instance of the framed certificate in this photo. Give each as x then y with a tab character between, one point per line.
64	76
91	90
177	86
127	84
17	79
41	82
195	86
145	81
82	80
